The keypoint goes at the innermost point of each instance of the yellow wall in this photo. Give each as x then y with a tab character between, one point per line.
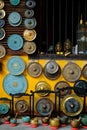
33	81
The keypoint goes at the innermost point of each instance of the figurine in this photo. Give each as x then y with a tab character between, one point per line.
58	48
67	47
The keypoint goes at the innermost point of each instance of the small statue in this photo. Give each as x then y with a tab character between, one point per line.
58	48
67	47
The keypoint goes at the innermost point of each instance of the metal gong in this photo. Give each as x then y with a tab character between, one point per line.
2	13
14	19
61	85
52	70
2	4
71	72
2	51
29	35
14	84
84	71
42	85
14	2
30	3
29	47
15	42
16	65
80	87
29	13
2	33
4	109
21	106
44	106
72	105
30	23
2	23
34	69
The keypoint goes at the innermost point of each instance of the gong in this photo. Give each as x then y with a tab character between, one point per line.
84	71
16	65
41	86
2	33
29	35
80	87
14	84
71	72
34	69
2	4
60	85
72	105
2	51
29	13
30	23
29	47
30	4
52	70
15	42
44	106
21	106
2	13
4	108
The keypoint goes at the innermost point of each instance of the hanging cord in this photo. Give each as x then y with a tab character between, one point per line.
47	44
53	27
66	20
59	21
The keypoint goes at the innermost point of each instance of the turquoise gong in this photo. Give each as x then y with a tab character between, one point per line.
14	84
4	109
16	65
15	42
14	2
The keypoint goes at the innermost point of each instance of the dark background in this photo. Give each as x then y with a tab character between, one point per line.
57	20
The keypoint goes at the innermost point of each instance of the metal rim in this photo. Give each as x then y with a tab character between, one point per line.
3	33
2	51
77	99
3	13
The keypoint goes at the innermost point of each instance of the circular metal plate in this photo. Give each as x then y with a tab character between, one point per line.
29	47
2	33
52	70
21	106
15	42
16	65
71	72
4	109
44	106
34	69
29	13
2	23
14	19
2	4
15	2
72	105
29	35
60	85
2	51
30	3
30	23
80	88
42	85
2	14
14	84
84	71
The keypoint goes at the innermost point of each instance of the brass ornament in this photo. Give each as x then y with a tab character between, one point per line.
29	35
42	85
71	72
72	105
